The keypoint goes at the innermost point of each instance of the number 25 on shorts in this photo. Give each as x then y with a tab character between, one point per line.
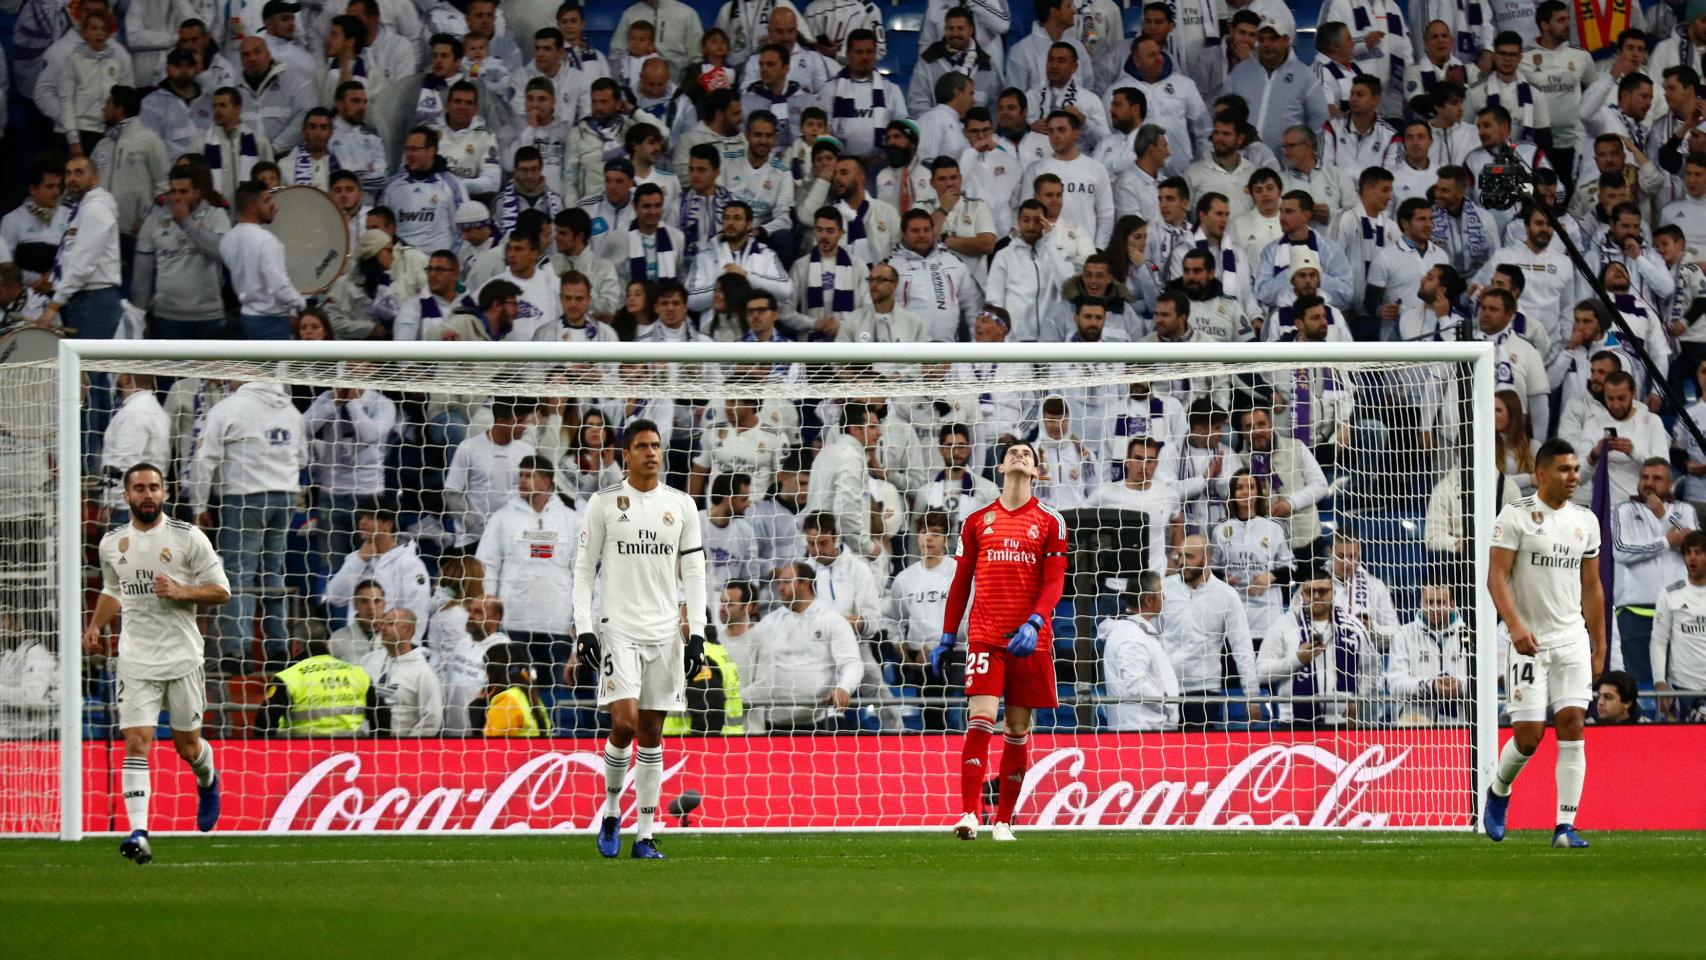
977	661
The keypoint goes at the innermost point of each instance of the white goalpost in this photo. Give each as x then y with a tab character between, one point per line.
1267	484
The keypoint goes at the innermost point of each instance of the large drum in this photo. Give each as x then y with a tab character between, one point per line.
27	383
315	238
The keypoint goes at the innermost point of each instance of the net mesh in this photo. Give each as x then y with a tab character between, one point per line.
29	647
1308	661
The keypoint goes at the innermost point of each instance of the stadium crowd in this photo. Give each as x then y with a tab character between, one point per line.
754	177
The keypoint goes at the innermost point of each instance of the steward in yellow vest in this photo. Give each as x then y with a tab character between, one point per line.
318	696
713	699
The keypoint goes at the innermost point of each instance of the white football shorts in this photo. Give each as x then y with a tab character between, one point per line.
1557	676
652	673
140	701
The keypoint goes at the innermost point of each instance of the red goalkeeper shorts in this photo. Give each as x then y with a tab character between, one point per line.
1020	681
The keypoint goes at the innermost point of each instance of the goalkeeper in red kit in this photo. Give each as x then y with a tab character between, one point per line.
1015	550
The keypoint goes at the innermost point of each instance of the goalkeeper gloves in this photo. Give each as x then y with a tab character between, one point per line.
941	651
586	648
1024	642
695	659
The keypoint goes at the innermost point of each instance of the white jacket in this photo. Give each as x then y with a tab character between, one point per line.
133	164
140	432
1212	620
529	557
1025	281
254	259
410	688
89	254
348	442
86	79
1419	656
1134	664
254	442
802	655
398	571
838	486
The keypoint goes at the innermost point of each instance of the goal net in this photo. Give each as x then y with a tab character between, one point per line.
1269	618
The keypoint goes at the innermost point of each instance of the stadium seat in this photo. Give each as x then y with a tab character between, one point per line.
601	18
900	56
1134	20
1393	548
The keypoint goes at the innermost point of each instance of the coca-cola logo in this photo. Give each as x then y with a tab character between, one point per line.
1266	778
534	796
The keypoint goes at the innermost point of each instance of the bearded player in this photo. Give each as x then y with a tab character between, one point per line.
156	571
1015	550
1544	578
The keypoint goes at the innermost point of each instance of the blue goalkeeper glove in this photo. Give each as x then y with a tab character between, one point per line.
1024	642
941	651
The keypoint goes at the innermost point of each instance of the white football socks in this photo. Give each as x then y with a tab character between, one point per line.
1572	770
202	765
615	775
134	780
1511	762
648	783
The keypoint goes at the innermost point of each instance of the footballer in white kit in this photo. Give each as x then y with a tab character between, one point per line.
643	541
1544	579
156	571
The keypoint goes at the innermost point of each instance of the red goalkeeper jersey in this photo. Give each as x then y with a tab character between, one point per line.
1018	558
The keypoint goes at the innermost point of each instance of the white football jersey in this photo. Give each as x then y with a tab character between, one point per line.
1546	578
650	550
158	639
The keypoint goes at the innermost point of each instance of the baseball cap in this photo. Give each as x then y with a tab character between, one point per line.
1303	258
276	7
472	213
1276	25
620	165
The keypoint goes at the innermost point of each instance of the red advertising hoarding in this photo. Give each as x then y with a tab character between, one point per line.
1638	778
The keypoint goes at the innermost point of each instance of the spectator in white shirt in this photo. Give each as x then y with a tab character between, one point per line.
731	543
360	636
1362	594
140	432
485	469
462	663
807	655
1139	676
527	549
349	432
411	700
253	448
1647	534
917	601
392	561
1428	666
1625	433
1319	654
254	260
1204	620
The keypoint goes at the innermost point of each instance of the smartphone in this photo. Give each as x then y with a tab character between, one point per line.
1611	433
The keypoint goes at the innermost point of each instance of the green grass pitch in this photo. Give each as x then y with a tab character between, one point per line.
1126	895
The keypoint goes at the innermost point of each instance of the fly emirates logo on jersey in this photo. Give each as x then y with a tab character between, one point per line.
646	543
1011	551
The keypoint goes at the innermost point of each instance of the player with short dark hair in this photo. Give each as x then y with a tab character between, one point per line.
1015	550
644	540
156	571
1544	579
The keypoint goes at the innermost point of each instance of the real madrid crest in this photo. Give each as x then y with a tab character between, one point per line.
668	519
1536	517
1033	532
621	503
123	544
165	554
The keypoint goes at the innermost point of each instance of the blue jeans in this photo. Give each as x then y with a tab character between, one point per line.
252	532
334	513
94	314
262	327
160	328
1635	633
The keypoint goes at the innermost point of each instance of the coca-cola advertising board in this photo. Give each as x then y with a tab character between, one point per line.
1639	778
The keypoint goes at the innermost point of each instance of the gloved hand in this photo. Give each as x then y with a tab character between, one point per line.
586	650
695	656
941	651
1024	642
